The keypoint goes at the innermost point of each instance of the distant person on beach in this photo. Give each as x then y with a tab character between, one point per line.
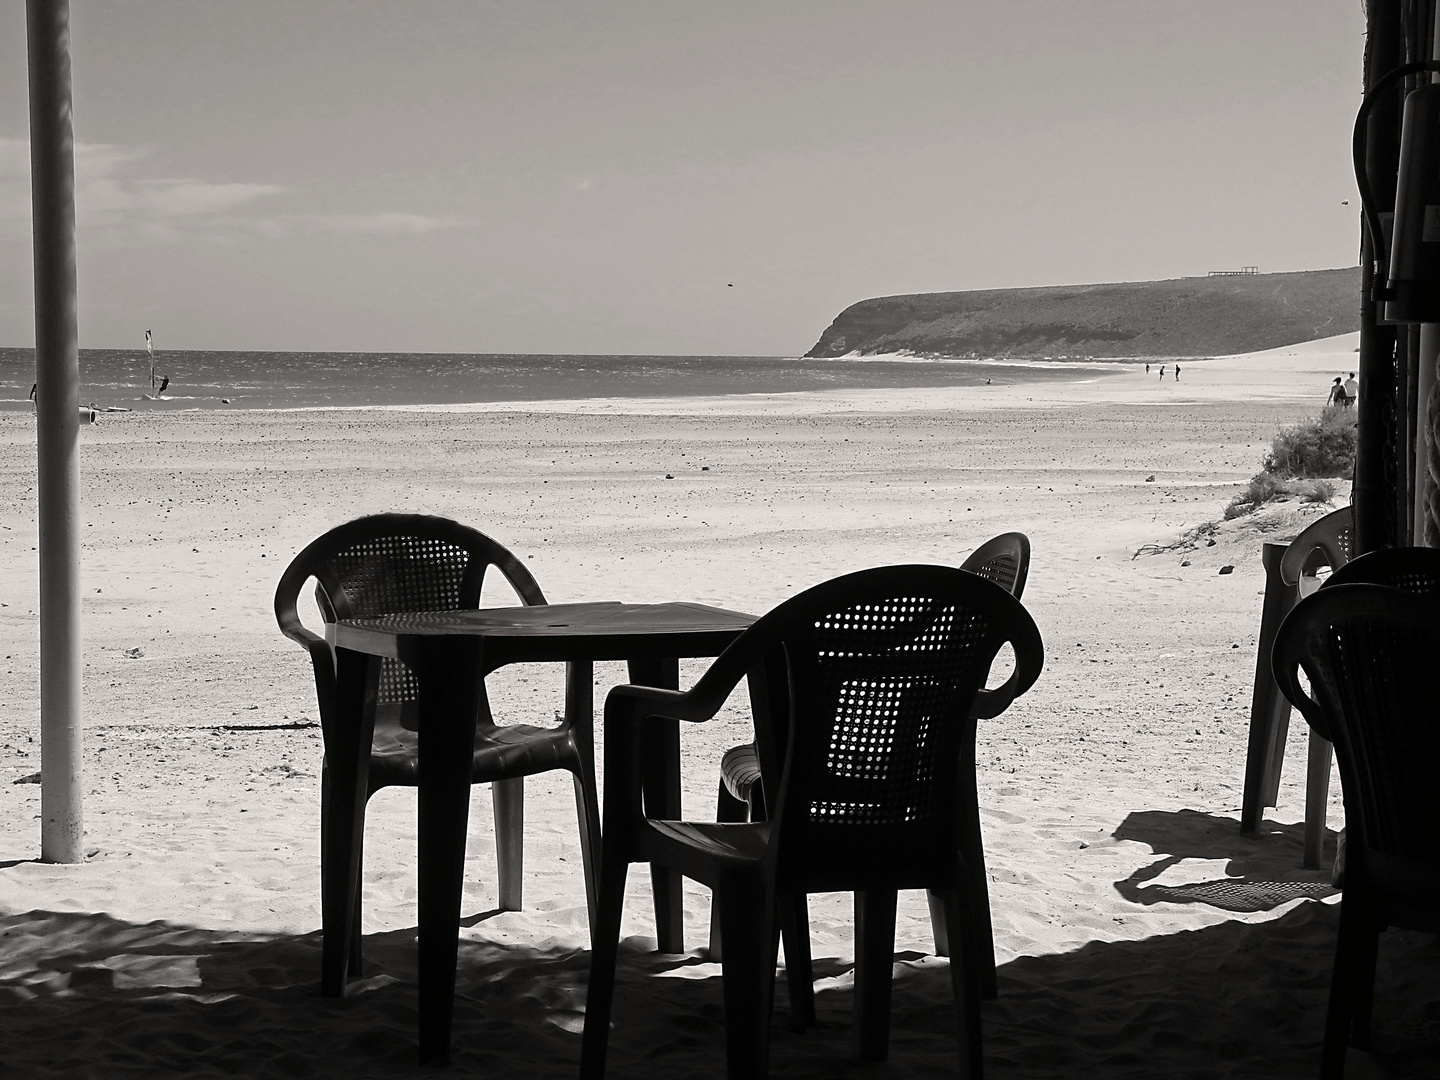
1352	389
1162	372
1147	369
1337	394
1177	372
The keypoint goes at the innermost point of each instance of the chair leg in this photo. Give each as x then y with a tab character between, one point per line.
344	789
1366	952
965	983
730	810
508	797
982	941
604	950
799	971
587	809
580	716
1340	1012
1317	796
938	926
747	974
874	962
355	932
1269	711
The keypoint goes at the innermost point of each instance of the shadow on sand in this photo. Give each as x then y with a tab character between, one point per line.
89	995
1262	873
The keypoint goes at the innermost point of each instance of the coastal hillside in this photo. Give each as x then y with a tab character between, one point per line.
1200	316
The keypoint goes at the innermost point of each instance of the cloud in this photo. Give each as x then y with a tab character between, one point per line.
384	223
114	201
107	198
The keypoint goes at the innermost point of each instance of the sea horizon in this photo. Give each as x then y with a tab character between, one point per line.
121	379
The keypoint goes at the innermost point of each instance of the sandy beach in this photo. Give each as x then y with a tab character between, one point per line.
1138	934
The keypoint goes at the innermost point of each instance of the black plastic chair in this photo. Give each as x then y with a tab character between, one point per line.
390	563
1414	569
875	680
1370	654
1292	571
1005	560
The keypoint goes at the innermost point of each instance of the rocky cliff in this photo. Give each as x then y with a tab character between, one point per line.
1206	316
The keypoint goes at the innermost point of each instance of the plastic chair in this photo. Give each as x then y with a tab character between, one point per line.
388	563
1370	654
1414	569
1291	572
1005	560
875	681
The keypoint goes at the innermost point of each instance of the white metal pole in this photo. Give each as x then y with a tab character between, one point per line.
57	422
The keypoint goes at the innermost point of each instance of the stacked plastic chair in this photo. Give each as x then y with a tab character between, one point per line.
1370	653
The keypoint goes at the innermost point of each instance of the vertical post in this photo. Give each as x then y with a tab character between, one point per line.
1424	389
57	408
1384	50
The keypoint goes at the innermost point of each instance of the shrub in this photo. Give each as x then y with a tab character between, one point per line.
1265	487
1320	447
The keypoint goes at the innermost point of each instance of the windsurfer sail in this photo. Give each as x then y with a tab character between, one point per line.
155	393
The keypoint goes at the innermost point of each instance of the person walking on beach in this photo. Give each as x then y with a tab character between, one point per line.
1337	394
1352	390
1162	372
1177	372
1147	368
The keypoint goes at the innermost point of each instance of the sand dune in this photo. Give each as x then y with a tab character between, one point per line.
1139	935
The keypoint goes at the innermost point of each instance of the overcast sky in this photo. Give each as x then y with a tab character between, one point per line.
666	176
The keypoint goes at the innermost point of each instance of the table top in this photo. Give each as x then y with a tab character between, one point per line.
606	630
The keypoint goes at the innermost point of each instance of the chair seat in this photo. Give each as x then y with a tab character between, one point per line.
501	753
740	770
702	850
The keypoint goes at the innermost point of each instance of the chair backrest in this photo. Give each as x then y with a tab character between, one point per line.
1416	570
1326	541
1371	654
1003	559
884	667
385	563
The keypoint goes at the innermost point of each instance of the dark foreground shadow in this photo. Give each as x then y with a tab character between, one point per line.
1263	872
87	995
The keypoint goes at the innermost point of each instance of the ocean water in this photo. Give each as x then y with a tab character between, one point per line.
297	380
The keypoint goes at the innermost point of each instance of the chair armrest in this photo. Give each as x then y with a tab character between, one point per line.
322	659
640	703
308	638
1285	661
1029	662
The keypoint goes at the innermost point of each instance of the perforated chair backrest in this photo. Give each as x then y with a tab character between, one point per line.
1416	570
884	667
1371	654
1003	559
1326	541
388	563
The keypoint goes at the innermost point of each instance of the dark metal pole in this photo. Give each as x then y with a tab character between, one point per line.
57	408
1372	500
